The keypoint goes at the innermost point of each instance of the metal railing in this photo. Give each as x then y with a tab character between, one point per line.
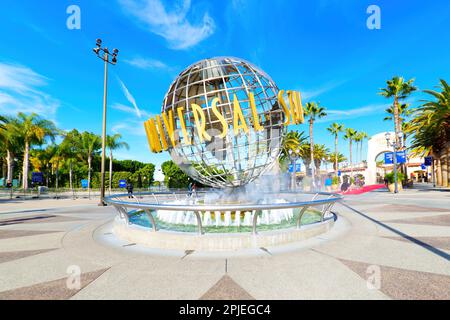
161	203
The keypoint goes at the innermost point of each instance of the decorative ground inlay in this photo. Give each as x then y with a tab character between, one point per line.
7	234
51	290
406	284
437	242
405	208
14	255
439	220
226	289
37	219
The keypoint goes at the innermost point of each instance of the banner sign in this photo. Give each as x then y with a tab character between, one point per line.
37	177
122	183
428	161
389	157
298	168
84	183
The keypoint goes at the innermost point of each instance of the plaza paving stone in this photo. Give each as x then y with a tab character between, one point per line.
406	236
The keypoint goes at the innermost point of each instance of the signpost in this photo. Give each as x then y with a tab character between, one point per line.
389	157
298	168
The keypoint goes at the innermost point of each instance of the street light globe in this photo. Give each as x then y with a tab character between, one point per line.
388	136
235	159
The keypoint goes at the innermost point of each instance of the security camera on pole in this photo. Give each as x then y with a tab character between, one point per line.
105	55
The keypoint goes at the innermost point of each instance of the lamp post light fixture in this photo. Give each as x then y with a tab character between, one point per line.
396	147
108	58
293	156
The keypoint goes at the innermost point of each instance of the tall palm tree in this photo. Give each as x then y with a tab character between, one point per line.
10	142
359	139
113	143
34	130
89	144
399	89
335	128
70	152
314	111
350	136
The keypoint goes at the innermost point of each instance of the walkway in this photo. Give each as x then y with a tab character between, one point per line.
384	246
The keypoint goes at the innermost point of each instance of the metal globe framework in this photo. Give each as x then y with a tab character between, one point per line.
235	159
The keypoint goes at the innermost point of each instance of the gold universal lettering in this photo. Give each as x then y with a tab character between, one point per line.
170	126
187	140
162	136
286	110
200	124
238	116
256	124
220	117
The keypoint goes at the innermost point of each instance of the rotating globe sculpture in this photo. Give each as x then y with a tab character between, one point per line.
234	159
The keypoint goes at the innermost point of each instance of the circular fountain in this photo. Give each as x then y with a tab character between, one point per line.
223	121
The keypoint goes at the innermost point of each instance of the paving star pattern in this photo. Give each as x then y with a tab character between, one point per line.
406	237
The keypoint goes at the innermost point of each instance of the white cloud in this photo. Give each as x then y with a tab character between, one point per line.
129	97
20	92
309	94
128	109
172	25
129	127
337	115
146	63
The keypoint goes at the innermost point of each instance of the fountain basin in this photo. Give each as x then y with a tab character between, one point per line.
182	222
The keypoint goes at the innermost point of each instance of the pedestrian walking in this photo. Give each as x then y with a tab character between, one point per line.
130	189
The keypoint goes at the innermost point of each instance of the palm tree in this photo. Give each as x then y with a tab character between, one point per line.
113	143
292	141
350	136
399	89
314	111
334	129
10	142
305	154
359	139
430	126
41	158
320	153
336	159
89	144
33	130
70	152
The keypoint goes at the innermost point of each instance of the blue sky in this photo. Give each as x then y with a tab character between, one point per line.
322	48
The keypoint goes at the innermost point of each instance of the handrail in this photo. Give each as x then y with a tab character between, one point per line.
256	208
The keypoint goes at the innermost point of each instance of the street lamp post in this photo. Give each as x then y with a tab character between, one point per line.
104	54
293	156
395	147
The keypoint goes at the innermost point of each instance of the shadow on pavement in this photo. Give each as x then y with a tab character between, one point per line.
424	245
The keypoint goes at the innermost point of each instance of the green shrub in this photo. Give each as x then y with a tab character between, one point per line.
391	179
335	180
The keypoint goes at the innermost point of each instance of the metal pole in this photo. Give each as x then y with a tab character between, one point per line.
395	168
293	174
105	91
